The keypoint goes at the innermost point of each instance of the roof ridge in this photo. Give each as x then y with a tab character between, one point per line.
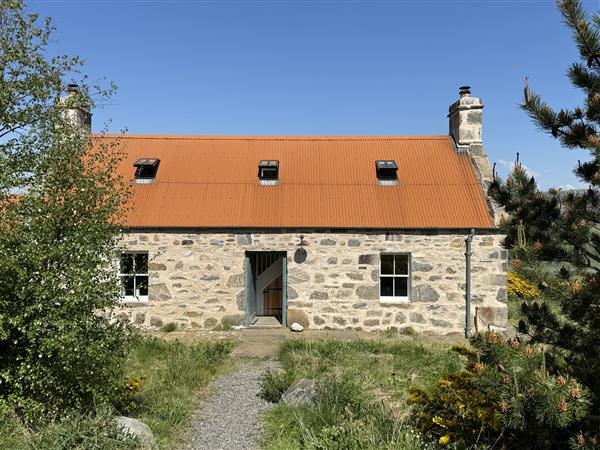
192	137
284	183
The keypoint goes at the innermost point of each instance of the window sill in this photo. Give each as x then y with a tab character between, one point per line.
134	301
393	300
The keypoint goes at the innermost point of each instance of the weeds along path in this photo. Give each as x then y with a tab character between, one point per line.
230	417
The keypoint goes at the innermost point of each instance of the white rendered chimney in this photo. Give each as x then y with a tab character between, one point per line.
78	115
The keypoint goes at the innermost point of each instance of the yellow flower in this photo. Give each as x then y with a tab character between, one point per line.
438	421
445	439
520	287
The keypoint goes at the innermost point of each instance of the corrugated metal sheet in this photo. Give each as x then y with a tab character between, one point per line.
325	182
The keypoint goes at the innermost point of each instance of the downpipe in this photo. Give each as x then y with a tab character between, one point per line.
468	254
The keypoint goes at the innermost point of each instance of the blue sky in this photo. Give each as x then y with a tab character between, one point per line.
326	68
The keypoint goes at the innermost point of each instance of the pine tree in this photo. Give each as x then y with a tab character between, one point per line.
561	227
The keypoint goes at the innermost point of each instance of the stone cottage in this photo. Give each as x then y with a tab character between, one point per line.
328	231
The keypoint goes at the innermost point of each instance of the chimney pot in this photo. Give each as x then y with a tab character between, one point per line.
72	88
464	91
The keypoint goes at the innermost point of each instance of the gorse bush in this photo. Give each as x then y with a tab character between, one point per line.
520	287
127	397
273	384
505	396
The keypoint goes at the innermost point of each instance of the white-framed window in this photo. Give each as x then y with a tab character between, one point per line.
394	277
133	275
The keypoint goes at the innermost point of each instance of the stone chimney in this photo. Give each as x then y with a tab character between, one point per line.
465	119
76	113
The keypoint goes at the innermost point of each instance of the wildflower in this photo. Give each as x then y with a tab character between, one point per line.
438	421
445	439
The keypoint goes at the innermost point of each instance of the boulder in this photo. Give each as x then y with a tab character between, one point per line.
296	327
136	428
302	392
298	316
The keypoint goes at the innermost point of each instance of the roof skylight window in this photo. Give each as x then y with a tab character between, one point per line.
145	170
387	171
268	171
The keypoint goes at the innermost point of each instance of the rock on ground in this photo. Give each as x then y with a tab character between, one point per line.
230	418
302	392
136	428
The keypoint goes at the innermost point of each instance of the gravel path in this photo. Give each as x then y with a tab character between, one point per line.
230	418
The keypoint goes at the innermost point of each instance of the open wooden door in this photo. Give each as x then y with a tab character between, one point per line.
249	292
284	291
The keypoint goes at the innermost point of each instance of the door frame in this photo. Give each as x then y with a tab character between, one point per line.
249	292
250	306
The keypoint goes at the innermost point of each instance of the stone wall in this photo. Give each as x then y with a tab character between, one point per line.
197	280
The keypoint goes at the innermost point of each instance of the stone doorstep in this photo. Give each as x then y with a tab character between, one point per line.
267	322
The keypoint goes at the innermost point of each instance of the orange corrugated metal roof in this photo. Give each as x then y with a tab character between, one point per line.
324	182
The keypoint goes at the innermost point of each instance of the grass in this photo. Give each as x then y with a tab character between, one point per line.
168	377
362	387
93	431
223	327
172	373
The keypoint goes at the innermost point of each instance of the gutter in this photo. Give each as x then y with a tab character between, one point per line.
468	254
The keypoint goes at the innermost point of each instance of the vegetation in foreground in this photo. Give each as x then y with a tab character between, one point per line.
161	388
59	200
362	386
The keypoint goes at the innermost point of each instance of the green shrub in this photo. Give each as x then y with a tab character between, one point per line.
506	396
168	327
273	384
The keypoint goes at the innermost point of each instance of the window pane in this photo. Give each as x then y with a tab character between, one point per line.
141	263
141	285
126	263
128	285
401	264
386	287
387	264
401	287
